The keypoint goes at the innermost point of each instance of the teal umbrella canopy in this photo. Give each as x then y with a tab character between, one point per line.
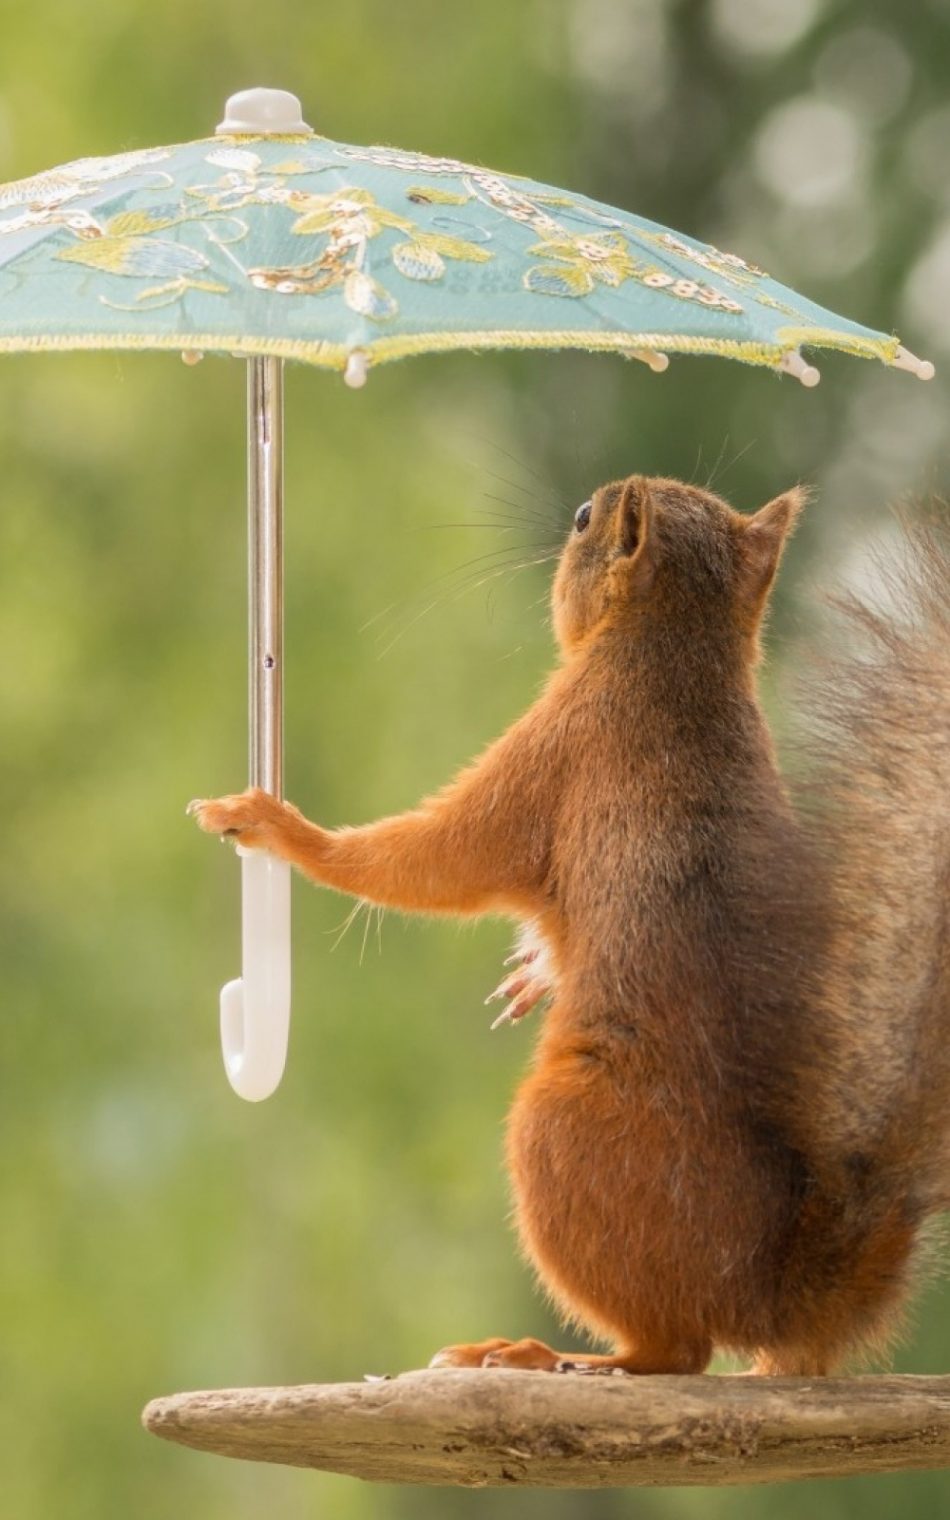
270	240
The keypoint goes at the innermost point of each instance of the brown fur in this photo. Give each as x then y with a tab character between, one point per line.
734	1125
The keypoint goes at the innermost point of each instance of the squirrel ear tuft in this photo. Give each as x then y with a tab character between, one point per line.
635	517
763	539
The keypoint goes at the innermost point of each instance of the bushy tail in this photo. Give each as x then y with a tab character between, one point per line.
878	800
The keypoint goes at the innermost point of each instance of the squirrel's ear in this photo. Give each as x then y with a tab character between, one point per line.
635	519
763	539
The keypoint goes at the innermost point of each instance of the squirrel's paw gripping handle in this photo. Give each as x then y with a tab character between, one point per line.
255	1008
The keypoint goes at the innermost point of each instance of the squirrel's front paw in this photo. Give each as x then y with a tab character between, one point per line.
525	988
253	818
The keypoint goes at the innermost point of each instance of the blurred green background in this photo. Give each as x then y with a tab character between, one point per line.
157	1233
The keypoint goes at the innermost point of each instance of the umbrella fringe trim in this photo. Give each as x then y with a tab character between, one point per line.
334	355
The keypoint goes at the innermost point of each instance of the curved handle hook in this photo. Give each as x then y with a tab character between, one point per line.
255	1007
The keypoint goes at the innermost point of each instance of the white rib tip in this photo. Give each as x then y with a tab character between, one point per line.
793	364
263	113
904	359
191	356
357	368
649	356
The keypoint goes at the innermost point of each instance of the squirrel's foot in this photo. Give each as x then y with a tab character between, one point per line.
525	988
535	1356
527	1354
683	1359
471	1355
498	1353
254	819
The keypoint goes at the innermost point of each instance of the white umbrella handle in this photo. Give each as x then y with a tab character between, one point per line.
255	1008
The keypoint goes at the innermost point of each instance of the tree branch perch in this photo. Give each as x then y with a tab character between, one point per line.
495	1428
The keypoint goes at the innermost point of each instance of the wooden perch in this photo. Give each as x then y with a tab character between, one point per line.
493	1428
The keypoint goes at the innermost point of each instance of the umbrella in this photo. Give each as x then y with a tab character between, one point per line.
269	242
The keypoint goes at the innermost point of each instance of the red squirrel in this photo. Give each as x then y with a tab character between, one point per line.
734	1130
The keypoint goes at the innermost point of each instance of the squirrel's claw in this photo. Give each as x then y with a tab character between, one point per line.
525	988
530	991
253	818
522	957
509	987
589	1369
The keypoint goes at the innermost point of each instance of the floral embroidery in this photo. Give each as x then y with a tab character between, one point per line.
580	261
54	186
146	257
430	195
403	158
728	264
352	218
81	222
392	251
247	180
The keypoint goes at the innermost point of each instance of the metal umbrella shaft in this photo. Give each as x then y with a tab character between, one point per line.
255	1007
265	542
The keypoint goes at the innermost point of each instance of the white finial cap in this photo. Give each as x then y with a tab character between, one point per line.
792	363
264	113
904	359
357	368
648	356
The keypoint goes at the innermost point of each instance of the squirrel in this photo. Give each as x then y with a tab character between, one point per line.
734	1131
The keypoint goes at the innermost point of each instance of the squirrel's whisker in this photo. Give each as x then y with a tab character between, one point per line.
452	593
403	603
528	514
524	565
499	524
522	464
734	460
475	562
718	461
366	923
348	921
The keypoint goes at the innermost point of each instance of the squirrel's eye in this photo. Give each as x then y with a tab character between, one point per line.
582	517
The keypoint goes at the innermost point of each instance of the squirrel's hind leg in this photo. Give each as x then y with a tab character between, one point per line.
642	1362
535	1356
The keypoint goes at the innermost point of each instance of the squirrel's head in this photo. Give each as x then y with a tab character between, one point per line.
645	551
